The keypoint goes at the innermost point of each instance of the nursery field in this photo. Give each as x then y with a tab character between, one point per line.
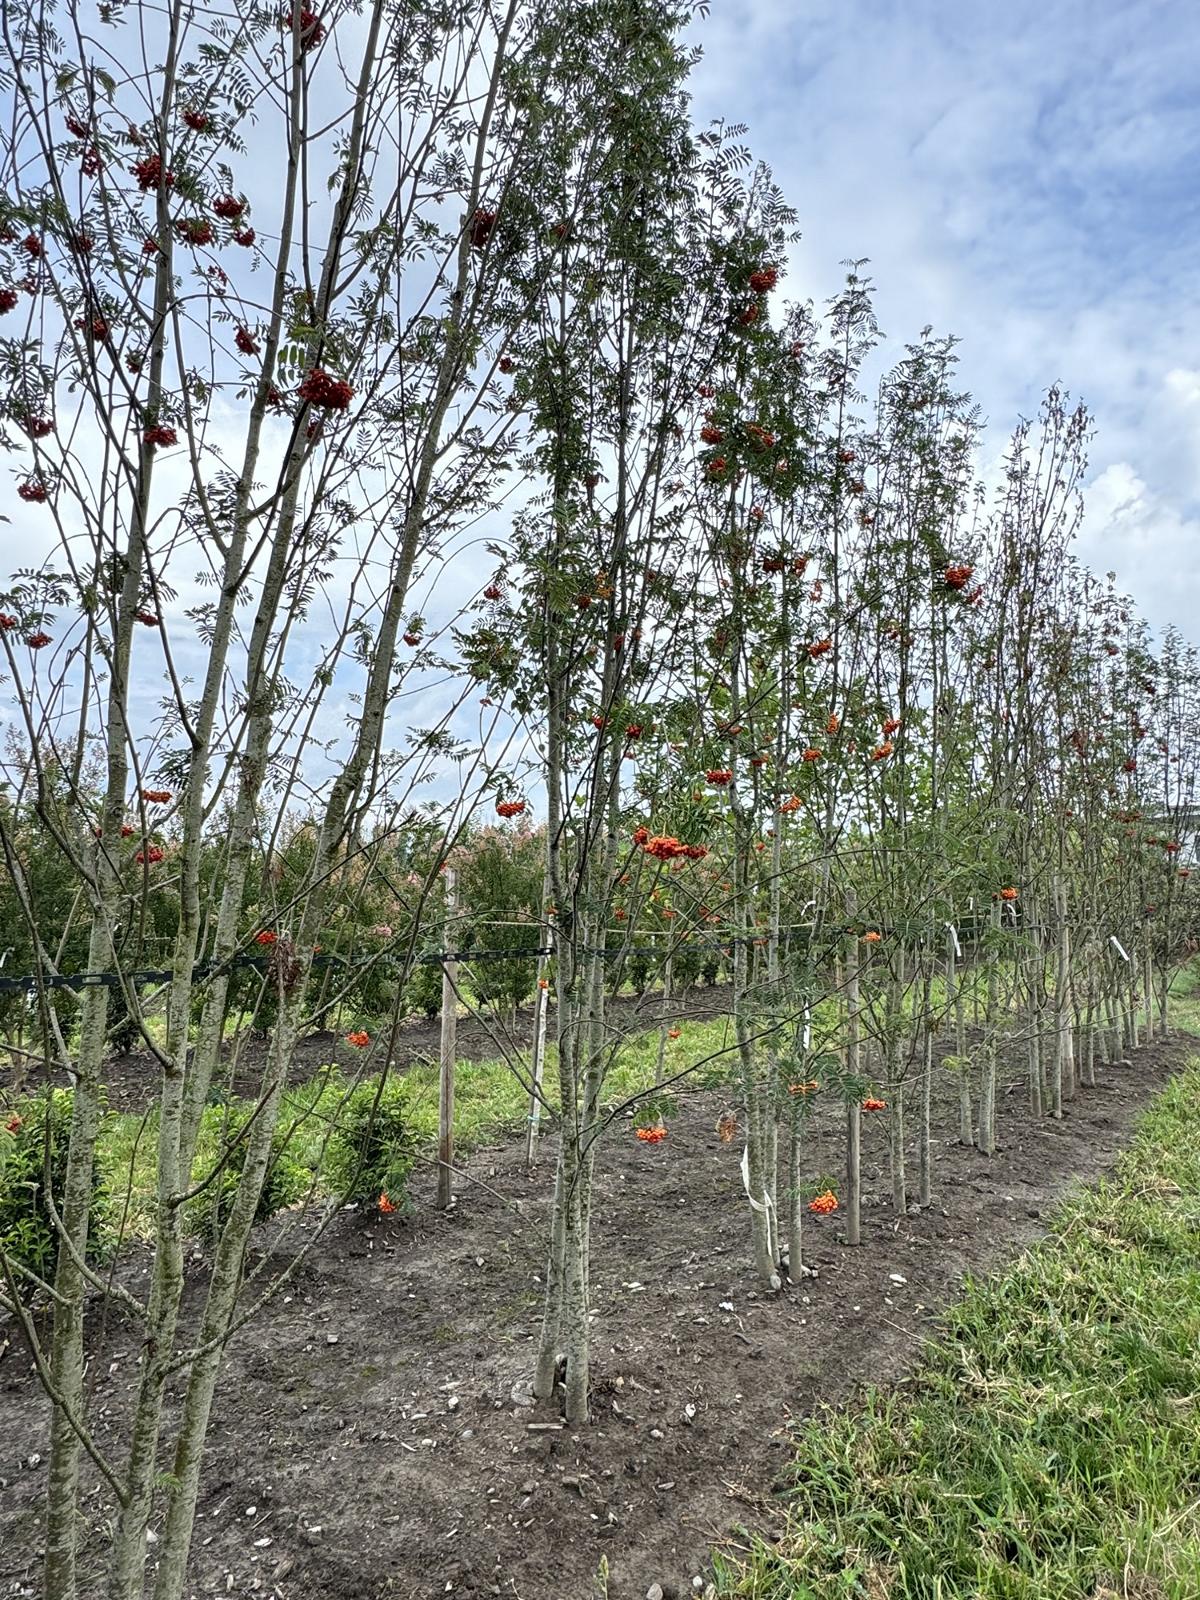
374	1433
580	847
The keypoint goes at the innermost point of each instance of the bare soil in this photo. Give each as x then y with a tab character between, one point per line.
370	1436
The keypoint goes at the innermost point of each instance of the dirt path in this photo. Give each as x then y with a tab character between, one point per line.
370	1437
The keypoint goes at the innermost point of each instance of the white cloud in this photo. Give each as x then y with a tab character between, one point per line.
1131	528
1017	176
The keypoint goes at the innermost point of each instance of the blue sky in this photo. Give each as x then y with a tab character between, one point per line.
1026	177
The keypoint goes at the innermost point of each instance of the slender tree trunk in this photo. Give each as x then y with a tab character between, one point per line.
220	1306
446	1059
575	1310
926	1153
853	1195
1148	981
550	1338
987	1089
668	995
1061	985
796	1197
954	996
1034	1058
896	1146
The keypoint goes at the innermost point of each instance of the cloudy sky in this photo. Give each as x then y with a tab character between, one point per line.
1023	175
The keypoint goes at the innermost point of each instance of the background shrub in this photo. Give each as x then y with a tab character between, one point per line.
27	1234
223	1131
372	1151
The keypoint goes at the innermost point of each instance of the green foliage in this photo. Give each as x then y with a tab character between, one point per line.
33	1146
374	1146
423	990
223	1132
500	889
655	1108
43	883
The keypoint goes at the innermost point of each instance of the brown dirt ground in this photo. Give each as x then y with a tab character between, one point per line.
365	1442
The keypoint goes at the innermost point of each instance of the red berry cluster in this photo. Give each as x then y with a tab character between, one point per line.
160	434
244	340
665	847
150	174
229	207
957	577
764	279
482	224
311	28
8	299
32	489
195	230
509	808
331	394
196	120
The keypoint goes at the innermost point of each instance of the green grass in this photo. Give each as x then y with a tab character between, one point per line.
1048	1447
490	1103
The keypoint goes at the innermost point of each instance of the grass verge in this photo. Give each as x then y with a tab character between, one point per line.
1048	1448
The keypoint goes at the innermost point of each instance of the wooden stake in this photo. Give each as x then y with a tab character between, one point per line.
541	1007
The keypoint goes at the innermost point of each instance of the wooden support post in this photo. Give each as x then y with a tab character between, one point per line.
541	1007
447	1056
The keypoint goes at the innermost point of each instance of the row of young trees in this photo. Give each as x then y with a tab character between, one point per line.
300	307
